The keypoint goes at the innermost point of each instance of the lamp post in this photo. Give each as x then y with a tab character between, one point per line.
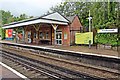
89	18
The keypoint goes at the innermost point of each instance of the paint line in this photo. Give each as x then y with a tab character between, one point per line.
14	71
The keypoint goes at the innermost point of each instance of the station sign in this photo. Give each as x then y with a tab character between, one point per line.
107	31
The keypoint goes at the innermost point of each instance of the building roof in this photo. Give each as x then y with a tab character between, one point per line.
56	16
52	18
71	18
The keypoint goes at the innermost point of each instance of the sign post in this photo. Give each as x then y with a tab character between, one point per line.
89	29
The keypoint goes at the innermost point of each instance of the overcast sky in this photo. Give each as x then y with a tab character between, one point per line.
29	7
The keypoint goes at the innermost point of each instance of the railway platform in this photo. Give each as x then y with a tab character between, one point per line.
107	63
7	73
74	49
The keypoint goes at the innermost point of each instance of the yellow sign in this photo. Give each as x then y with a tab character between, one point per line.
84	38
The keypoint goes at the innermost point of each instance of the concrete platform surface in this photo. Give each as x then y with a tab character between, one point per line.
76	49
7	73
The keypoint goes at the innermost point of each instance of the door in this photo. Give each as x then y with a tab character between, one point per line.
59	38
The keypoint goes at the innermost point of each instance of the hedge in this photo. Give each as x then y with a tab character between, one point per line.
107	38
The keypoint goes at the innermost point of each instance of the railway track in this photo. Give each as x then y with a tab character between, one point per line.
77	65
108	62
26	68
35	70
73	62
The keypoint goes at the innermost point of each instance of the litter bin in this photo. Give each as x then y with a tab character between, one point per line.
89	44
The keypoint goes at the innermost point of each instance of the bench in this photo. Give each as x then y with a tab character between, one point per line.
44	41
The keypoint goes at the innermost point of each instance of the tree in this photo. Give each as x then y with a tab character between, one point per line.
104	14
22	17
7	17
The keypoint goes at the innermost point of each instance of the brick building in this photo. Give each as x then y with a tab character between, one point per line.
52	29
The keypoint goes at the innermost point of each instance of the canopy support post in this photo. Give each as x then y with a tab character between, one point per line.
55	28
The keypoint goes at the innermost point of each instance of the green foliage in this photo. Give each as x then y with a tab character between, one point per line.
104	14
7	17
110	39
2	33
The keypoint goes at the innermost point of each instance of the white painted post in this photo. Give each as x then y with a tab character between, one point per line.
89	29
55	28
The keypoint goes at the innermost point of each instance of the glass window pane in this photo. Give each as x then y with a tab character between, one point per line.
56	36
47	35
41	34
57	41
34	35
60	36
60	42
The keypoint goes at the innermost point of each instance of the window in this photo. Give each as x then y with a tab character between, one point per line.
35	35
41	35
47	35
29	34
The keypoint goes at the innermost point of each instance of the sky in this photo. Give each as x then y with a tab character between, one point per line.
29	7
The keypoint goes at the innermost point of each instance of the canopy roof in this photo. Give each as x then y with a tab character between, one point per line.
53	18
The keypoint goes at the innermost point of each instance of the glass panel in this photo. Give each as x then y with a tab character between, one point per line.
60	42
29	34
34	35
46	35
41	34
57	41
60	36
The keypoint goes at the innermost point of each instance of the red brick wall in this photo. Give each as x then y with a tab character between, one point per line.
76	23
66	30
74	27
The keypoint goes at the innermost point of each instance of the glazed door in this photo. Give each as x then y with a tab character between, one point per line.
59	38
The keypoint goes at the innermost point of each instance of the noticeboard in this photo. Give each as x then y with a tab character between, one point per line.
9	33
84	38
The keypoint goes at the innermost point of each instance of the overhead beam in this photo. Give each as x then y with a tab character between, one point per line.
35	22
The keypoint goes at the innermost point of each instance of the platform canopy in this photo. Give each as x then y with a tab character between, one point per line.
53	18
